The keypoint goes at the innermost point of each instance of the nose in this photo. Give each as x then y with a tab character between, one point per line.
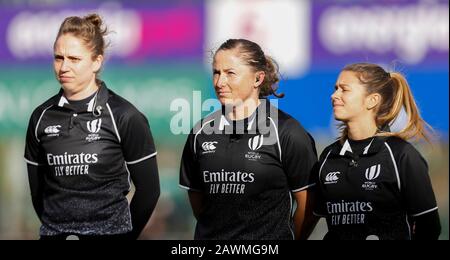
64	66
335	95
220	81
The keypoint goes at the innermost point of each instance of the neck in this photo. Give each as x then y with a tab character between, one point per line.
361	129
85	92
244	109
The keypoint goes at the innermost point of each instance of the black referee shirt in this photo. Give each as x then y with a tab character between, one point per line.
84	155
247	170
367	189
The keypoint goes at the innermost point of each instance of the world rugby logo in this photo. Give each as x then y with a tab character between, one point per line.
255	142
94	125
373	172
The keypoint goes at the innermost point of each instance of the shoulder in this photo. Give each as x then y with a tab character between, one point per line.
286	122
289	126
208	121
401	148
39	110
332	147
121	108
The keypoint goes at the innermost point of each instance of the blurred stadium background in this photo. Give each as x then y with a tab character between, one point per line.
161	51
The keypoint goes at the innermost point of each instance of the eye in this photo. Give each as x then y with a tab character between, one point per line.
58	58
74	59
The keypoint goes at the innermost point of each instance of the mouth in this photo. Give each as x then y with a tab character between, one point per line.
223	93
65	79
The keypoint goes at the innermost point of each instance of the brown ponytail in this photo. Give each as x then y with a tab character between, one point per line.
271	79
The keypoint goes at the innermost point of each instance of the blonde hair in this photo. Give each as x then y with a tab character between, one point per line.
395	95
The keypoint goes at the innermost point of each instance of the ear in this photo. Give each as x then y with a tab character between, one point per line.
97	64
259	78
372	101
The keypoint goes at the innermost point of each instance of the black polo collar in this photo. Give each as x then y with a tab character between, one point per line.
255	122
95	105
344	149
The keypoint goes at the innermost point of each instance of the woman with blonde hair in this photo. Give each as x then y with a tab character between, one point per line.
372	183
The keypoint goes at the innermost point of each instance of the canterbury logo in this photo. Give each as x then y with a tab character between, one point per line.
255	142
373	172
53	129
332	177
209	146
94	125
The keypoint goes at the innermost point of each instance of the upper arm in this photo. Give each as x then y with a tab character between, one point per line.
318	203
190	177
298	156
33	151
415	183
136	137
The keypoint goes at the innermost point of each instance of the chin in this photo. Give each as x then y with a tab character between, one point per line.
226	101
67	86
339	117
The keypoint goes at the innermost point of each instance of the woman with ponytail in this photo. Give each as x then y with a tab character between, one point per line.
372	183
246	165
86	144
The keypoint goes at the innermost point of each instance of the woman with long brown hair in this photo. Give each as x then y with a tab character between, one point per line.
372	183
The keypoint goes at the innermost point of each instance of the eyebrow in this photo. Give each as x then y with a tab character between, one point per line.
225	70
70	56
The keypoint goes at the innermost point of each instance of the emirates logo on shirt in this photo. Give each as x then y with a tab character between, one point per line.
71	164
228	182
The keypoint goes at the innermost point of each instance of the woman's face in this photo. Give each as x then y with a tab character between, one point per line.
73	64
349	99
234	81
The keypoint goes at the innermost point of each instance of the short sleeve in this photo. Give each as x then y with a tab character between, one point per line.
190	177
319	207
33	149
415	182
298	156
137	139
